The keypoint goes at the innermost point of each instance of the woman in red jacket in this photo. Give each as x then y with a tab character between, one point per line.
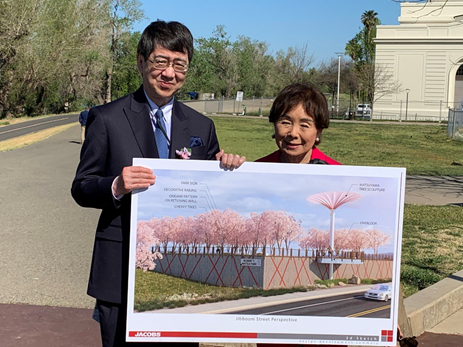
299	114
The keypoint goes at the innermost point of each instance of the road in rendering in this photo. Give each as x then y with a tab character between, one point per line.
347	305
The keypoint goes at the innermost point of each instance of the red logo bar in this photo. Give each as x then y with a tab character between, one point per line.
195	334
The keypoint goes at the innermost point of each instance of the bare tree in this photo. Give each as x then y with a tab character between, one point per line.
329	76
350	81
300	61
425	6
377	81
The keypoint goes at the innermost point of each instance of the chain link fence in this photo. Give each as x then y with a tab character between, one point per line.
399	111
412	110
250	106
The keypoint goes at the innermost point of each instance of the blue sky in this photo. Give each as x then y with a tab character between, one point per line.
325	25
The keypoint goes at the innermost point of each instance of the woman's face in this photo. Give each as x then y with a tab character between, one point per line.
295	135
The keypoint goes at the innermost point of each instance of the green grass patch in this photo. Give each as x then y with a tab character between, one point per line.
330	283
375	281
155	291
432	245
421	149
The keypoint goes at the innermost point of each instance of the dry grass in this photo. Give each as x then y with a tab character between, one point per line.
29	139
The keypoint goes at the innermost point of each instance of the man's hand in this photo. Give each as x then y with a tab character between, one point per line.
229	161
134	177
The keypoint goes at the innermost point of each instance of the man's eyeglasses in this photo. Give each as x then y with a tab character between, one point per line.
162	64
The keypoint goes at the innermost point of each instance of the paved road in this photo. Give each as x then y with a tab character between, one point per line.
34	125
336	302
46	238
444	190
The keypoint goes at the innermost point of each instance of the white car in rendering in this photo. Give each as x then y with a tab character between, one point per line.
381	292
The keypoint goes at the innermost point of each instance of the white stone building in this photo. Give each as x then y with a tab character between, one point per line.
424	53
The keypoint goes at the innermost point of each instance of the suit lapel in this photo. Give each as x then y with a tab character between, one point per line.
180	136
138	115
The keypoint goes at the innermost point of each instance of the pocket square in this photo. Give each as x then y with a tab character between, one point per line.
195	142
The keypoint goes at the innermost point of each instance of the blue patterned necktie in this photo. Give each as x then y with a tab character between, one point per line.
160	135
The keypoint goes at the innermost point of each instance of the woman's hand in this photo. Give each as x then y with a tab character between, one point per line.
229	161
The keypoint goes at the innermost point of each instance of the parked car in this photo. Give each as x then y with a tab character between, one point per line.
363	109
381	292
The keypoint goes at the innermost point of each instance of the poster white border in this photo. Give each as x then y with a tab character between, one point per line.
227	328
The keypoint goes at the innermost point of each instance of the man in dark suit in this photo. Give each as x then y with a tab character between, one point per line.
149	123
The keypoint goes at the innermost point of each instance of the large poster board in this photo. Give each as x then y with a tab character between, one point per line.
266	226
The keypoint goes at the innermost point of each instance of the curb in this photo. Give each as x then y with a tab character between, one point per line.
432	305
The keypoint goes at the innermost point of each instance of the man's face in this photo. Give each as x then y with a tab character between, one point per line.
161	85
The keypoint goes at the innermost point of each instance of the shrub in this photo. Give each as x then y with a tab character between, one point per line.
419	277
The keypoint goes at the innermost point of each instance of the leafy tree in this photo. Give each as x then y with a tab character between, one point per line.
361	49
253	64
51	55
218	69
122	15
369	21
17	22
223	67
126	77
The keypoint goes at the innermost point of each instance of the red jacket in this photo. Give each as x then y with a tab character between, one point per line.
316	154
275	158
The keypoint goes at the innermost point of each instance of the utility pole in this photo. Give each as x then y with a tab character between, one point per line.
406	104
339	80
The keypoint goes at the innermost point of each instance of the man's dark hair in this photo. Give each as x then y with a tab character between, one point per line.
313	101
173	36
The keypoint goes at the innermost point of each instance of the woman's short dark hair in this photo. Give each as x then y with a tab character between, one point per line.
173	36
313	101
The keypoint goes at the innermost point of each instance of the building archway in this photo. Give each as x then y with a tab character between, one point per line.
455	81
458	94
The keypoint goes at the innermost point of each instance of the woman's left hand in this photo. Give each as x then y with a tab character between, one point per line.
229	161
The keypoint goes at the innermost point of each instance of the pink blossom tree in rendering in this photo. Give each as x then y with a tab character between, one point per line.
376	239
259	236
315	239
145	253
357	239
282	228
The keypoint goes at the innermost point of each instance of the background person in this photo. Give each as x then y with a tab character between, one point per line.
134	126
83	121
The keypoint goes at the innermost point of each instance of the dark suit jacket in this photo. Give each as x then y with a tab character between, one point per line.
116	133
